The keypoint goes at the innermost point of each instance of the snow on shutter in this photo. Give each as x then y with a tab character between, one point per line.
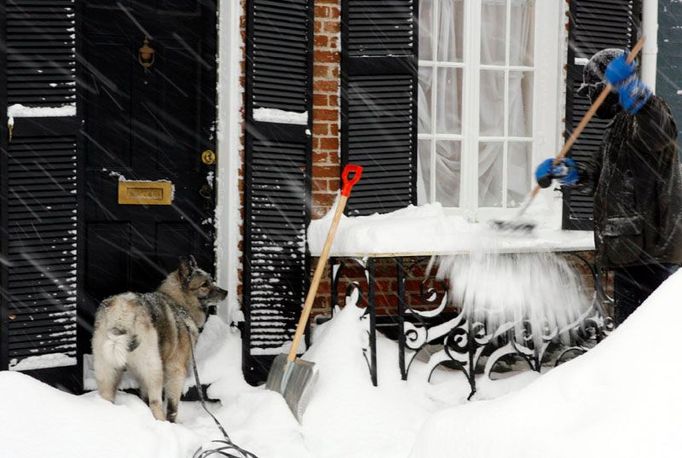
277	171
594	25
38	183
379	102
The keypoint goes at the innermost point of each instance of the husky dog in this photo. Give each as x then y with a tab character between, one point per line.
151	335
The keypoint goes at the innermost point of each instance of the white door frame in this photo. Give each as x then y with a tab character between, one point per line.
230	100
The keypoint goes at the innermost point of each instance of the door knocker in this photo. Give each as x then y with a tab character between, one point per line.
145	55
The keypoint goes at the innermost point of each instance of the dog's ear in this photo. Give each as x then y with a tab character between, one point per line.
193	262
185	269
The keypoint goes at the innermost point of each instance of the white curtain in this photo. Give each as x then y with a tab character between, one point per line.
448	98
490	160
448	95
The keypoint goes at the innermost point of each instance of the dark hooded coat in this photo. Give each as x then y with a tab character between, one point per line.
637	189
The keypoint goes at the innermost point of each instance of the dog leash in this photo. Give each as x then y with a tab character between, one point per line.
227	447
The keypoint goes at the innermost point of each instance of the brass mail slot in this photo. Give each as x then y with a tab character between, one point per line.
145	192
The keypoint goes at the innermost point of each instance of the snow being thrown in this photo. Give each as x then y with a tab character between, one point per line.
541	290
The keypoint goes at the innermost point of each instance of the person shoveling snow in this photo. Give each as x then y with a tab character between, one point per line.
636	181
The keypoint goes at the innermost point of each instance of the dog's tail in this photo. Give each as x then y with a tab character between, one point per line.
116	346
116	337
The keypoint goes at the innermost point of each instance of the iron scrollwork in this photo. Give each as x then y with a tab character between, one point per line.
435	332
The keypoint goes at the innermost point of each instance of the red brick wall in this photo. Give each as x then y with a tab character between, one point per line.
326	113
242	84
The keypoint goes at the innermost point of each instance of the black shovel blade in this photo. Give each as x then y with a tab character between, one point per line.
515	226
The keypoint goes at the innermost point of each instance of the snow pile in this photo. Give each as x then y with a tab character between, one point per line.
429	229
42	362
347	416
38	420
346	409
621	399
22	111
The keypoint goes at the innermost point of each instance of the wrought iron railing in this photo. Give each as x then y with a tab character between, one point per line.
433	330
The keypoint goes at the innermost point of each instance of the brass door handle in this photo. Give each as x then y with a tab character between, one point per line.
208	157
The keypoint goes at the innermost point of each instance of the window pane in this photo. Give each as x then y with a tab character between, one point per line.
493	32
425	26
425	88
448	163
450	28
520	104
449	101
490	169
492	103
424	175
519	173
521	33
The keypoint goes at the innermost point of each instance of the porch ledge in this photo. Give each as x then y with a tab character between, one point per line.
427	230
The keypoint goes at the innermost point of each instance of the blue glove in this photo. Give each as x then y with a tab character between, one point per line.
619	71
566	171
633	95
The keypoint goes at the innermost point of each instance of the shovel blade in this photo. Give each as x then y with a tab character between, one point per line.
294	381
517	226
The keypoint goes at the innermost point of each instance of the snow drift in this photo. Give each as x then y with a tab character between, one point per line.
621	399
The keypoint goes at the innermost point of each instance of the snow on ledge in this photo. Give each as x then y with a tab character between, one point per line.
427	229
21	111
42	362
280	116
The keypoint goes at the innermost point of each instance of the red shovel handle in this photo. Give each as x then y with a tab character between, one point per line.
348	182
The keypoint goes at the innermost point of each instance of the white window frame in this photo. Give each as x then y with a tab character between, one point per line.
547	92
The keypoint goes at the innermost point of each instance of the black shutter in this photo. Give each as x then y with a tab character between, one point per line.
379	101
277	171
39	189
594	25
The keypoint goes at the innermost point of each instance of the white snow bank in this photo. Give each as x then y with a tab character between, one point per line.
280	116
621	399
38	420
347	416
428	229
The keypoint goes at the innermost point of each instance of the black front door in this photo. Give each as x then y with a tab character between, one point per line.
148	92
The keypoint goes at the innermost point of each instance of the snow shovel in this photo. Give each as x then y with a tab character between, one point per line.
294	378
517	224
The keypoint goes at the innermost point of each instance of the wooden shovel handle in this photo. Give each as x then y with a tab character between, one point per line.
348	183
586	119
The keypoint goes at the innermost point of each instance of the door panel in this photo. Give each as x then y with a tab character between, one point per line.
146	123
108	256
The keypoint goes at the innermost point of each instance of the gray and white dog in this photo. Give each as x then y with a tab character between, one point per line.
151	336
